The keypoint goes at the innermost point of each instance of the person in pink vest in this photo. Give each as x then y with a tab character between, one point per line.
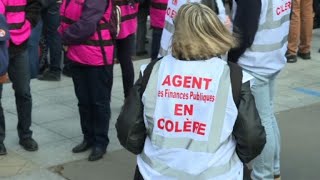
125	41
21	16
88	37
157	20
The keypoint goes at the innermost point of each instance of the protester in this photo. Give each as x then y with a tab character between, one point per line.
20	21
125	41
88	35
4	61
172	9
141	39
157	20
181	141
300	34
51	22
263	35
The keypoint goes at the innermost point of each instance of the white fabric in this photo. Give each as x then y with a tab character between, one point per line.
269	61
180	158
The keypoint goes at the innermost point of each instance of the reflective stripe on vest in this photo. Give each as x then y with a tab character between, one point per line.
170	29
160	6
270	24
91	51
207	174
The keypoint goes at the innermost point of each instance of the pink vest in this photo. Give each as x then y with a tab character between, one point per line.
157	13
128	18
19	26
89	52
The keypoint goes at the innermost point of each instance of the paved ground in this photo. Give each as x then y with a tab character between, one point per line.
57	129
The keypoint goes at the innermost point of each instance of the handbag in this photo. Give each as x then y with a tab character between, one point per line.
131	130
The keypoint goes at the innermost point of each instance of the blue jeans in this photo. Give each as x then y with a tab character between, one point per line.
51	22
92	85
19	74
267	164
33	49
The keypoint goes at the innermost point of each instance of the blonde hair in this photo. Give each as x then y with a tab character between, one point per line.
199	34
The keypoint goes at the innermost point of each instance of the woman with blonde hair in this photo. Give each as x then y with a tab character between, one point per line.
198	112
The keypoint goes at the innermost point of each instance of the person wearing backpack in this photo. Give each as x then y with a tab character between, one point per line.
21	16
191	115
88	34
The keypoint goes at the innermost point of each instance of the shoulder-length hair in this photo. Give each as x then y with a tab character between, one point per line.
199	34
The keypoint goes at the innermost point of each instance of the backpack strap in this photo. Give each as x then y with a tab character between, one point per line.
146	74
236	81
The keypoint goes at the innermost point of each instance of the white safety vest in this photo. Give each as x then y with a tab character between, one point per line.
189	114
172	10
267	54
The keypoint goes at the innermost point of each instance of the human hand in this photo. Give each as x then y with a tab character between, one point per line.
65	48
4	78
228	23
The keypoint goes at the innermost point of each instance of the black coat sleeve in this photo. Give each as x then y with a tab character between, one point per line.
33	10
248	131
246	23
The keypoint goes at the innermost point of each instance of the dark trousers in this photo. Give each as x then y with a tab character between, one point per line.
51	22
155	46
92	86
124	55
137	174
19	74
33	48
142	29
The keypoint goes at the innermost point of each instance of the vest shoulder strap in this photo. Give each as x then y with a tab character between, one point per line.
236	81
146	74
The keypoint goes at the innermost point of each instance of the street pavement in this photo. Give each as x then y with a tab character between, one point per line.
56	127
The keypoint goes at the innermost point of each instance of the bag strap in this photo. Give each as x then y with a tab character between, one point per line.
146	74
236	81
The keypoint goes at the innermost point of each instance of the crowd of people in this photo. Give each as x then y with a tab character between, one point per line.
201	109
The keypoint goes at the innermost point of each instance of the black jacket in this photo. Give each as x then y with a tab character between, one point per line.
248	131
